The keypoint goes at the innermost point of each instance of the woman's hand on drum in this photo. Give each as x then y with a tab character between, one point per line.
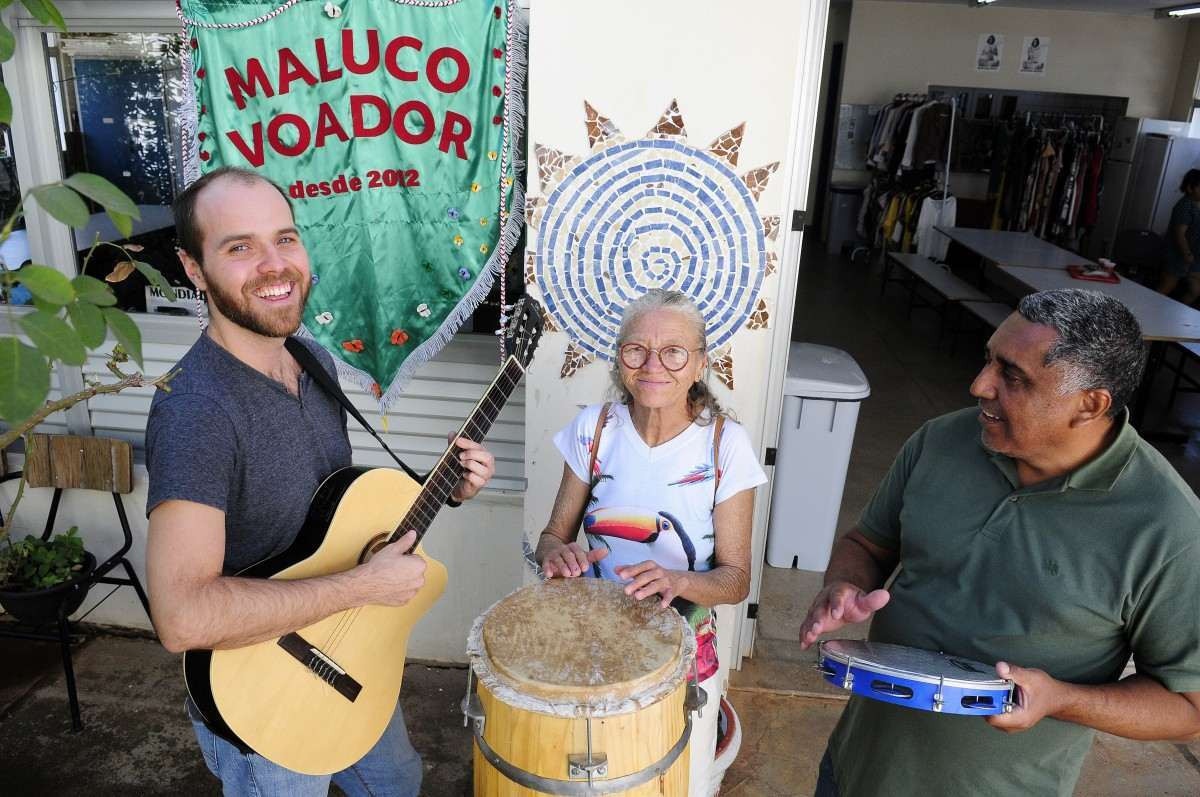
650	578
839	604
570	560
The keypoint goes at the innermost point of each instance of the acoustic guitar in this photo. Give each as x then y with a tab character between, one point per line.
318	699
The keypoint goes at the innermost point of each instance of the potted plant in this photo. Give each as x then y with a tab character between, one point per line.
39	578
69	318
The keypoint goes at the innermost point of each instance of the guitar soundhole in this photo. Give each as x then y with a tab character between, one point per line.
373	547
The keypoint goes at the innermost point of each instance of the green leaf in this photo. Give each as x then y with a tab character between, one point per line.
5	106
45	12
122	222
126	332
47	284
54	337
46	307
88	321
104	193
92	290
156	279
24	380
62	203
8	42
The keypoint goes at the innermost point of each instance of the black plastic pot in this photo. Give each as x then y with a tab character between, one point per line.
42	605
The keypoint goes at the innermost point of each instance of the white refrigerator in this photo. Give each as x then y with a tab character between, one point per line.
1119	169
1161	163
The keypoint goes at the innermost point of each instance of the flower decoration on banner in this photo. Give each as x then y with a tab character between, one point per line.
393	127
642	213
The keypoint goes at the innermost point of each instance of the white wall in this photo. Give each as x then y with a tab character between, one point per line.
897	47
629	58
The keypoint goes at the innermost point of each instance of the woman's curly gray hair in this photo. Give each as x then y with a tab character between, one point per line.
703	404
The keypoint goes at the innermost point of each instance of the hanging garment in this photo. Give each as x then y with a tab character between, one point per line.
1091	201
933	132
914	130
912	205
935	212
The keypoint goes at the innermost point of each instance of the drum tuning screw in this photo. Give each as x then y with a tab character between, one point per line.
938	701
472	707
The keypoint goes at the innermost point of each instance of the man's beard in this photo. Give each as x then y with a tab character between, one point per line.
237	308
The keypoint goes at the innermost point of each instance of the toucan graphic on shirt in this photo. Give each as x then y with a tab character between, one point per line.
635	524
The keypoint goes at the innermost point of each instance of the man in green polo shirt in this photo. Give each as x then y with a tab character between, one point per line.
1038	531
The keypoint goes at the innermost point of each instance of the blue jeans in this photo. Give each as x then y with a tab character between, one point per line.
391	768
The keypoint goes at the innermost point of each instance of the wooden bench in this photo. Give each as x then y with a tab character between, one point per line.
1187	351
990	314
947	288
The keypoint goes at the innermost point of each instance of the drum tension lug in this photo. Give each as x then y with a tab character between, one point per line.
695	698
589	765
580	768
472	706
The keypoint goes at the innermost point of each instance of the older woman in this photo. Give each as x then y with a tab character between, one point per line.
663	483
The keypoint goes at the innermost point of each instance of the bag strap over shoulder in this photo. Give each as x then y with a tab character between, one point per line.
594	448
718	427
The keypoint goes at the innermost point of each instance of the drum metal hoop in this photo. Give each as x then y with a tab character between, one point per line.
578	788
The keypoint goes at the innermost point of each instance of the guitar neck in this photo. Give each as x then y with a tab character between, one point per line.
445	474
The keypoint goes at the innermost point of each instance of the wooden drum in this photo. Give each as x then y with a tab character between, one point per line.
580	690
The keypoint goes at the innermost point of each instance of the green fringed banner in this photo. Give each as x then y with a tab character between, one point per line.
392	126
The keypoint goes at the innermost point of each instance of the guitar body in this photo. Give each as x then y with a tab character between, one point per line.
305	713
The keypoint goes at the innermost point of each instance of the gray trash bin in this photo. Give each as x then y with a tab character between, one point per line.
822	392
845	200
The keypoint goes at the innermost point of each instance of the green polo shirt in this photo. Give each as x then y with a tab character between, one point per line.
1070	576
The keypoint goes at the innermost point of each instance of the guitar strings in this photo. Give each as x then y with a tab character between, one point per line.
440	484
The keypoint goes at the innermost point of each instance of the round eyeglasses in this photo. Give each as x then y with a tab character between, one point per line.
673	358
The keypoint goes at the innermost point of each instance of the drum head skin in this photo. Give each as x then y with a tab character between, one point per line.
580	636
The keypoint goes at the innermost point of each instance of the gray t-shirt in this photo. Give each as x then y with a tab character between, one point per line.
232	438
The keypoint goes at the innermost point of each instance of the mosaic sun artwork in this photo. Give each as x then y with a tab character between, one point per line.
651	212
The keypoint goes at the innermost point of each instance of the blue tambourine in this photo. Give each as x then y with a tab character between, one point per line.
915	678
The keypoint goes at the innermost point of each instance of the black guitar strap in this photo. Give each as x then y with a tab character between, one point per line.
309	362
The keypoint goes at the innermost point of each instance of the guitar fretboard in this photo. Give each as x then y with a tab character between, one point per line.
445	474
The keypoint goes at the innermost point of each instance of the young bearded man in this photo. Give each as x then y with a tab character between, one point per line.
236	449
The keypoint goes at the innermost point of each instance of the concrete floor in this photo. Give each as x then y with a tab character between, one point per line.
137	740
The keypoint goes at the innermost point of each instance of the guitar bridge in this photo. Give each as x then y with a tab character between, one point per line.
321	665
